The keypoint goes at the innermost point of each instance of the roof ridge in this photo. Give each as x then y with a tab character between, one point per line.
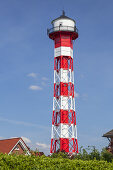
11	138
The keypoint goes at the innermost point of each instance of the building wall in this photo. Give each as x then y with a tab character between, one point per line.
18	149
111	145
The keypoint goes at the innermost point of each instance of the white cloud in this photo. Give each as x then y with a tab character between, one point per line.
13	137
34	87
42	145
76	94
44	78
34	75
26	140
28	124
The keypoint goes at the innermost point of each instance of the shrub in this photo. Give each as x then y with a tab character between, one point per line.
22	162
60	155
106	155
94	154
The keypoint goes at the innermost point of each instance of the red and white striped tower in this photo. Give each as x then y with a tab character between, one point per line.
64	133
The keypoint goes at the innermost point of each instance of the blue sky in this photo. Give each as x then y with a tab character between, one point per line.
26	69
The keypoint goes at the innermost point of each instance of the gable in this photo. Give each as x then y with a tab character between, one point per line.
20	148
7	144
13	145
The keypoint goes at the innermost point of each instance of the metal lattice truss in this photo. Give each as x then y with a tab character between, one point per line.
64	76
64	118
64	131
64	103
73	146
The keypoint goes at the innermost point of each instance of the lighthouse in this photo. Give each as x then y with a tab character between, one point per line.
64	130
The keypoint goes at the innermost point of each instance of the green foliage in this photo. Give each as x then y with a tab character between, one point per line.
60	155
94	154
83	154
22	162
89	153
106	156
87	159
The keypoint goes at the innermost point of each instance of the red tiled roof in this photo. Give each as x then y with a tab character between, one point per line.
6	145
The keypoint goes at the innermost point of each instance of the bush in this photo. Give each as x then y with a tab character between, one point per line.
106	156
83	154
60	155
22	162
89	153
89	158
94	154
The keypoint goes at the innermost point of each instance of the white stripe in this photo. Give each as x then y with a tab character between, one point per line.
64	131
63	51
64	103
64	76
74	131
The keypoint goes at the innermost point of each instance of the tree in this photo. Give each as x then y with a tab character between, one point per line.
106	155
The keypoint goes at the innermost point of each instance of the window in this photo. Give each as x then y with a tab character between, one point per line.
16	148
60	24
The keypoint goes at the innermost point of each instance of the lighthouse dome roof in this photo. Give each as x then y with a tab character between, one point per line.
63	16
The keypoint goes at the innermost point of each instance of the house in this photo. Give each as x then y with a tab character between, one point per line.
36	153
109	136
14	145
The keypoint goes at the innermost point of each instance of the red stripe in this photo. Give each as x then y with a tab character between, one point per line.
65	62
63	39
64	144
64	89
74	35
63	116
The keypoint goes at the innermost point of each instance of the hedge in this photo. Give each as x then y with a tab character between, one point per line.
22	162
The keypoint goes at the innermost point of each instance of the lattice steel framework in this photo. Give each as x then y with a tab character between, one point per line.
64	132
